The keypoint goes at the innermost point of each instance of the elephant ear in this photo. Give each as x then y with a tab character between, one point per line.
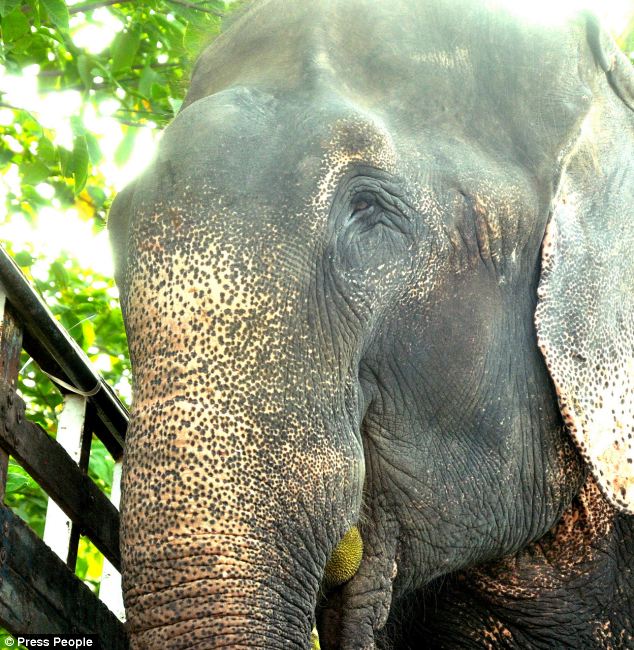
585	314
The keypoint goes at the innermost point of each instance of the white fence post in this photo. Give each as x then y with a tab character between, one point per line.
70	426
110	588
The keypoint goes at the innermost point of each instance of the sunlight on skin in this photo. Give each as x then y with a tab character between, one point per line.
614	14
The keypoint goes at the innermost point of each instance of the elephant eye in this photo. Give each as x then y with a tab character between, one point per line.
362	205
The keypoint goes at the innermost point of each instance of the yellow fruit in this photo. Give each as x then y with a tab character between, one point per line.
345	559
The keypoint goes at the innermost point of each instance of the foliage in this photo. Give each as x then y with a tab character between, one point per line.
626	38
87	306
26	498
141	75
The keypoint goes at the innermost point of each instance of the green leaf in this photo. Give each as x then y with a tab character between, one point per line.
6	155
23	259
17	483
34	172
20	482
198	35
57	12
36	12
93	148
14	25
29	123
65	161
4	635
63	192
148	77
46	151
88	333
101	463
81	566
84	66
60	275
159	92
97	194
6	6
80	163
77	125
124	150
124	49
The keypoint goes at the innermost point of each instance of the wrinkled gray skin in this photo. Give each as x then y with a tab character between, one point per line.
329	277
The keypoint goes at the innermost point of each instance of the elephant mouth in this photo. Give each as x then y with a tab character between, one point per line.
342	566
350	614
349	620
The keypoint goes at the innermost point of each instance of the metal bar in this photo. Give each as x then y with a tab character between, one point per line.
56	349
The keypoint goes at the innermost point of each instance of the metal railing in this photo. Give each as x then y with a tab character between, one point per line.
39	592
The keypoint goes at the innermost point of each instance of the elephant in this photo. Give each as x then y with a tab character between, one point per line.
377	284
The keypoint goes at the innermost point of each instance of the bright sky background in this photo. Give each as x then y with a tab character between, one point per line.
63	230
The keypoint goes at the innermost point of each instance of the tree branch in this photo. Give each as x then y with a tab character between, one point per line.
89	6
196	7
11	107
107	3
154	66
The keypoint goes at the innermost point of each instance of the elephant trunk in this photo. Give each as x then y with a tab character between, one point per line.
218	543
210	593
239	479
243	468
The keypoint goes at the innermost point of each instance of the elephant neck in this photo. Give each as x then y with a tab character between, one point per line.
572	588
576	581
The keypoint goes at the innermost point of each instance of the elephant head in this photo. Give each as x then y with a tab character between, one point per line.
378	278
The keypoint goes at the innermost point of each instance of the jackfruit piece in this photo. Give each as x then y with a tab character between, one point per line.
345	559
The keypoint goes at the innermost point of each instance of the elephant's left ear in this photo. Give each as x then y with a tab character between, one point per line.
585	314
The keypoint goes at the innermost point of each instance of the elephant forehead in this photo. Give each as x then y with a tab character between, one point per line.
467	66
353	140
242	161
